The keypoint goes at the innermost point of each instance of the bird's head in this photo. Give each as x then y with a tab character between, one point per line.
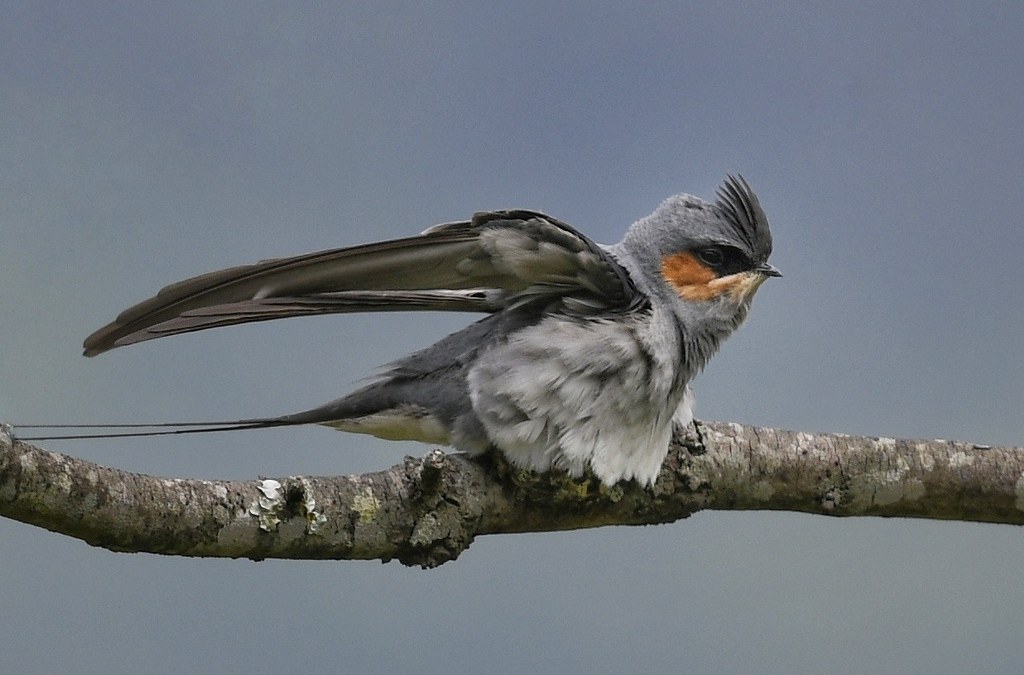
704	260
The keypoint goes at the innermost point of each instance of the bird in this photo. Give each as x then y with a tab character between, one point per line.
582	362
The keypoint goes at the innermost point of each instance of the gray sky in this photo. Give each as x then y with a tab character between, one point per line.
142	144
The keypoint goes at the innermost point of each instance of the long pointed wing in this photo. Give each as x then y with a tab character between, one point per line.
490	262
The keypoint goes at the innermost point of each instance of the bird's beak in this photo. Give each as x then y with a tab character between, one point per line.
768	270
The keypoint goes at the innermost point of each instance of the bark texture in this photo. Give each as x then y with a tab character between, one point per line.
426	511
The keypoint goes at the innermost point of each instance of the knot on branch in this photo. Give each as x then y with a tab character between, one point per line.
446	495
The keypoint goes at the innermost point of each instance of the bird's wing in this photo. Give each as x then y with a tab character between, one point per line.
496	260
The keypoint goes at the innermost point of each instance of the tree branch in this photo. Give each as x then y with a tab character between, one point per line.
426	511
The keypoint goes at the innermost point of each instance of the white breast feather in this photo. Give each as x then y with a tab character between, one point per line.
569	394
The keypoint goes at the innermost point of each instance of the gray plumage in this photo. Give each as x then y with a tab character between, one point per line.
582	362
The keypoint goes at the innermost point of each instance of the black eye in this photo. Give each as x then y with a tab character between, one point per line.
712	256
723	259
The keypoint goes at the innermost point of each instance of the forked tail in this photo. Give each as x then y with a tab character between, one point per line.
160	429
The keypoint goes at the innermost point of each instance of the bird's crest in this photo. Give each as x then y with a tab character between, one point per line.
742	211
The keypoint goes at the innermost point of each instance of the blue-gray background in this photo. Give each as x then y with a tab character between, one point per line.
143	144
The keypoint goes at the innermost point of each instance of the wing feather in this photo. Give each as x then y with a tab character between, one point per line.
495	260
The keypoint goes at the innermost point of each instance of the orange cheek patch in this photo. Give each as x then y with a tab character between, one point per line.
683	269
691	278
696	282
700	293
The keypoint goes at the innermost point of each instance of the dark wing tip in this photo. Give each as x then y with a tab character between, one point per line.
103	340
